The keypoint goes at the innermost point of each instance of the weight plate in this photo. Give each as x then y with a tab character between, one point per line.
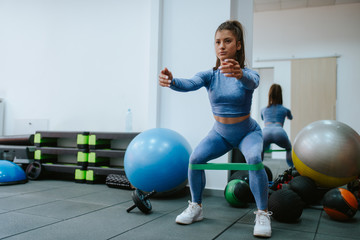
33	170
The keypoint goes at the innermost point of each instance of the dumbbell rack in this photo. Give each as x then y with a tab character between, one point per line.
106	154
86	156
62	154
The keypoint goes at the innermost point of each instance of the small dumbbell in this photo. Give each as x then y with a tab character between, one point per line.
141	201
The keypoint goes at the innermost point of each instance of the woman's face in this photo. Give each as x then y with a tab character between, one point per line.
226	45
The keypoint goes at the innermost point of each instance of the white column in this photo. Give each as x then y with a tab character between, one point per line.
155	62
243	11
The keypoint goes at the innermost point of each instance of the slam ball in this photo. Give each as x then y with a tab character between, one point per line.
157	159
328	152
340	204
305	187
237	193
286	205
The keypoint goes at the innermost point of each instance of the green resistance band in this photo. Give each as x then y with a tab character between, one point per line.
275	150
226	166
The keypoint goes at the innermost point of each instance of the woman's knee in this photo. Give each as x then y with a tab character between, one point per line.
253	159
197	158
253	155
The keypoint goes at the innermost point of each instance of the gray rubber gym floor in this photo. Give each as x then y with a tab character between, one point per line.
53	209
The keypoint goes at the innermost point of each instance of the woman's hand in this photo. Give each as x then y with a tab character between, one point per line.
231	68
165	78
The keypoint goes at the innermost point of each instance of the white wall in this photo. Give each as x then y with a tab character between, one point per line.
314	32
79	64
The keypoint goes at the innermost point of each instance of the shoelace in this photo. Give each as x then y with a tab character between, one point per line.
190	207
262	217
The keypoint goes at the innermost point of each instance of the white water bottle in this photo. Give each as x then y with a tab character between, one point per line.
128	121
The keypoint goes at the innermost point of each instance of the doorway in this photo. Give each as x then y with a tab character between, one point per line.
313	91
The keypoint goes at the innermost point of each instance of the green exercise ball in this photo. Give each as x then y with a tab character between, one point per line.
237	193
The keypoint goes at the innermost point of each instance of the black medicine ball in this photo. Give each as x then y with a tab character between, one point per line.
305	187
286	205
340	204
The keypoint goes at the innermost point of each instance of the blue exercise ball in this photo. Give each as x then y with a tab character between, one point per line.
157	159
11	173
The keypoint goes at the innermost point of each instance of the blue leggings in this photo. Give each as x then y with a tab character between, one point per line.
274	133
247	136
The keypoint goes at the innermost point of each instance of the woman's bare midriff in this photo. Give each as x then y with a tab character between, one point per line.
227	120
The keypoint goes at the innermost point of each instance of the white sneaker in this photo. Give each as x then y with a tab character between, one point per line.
193	213
262	224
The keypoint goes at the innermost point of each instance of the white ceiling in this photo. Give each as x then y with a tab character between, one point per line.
276	5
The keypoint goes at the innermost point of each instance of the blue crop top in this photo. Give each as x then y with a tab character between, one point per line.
275	114
229	97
